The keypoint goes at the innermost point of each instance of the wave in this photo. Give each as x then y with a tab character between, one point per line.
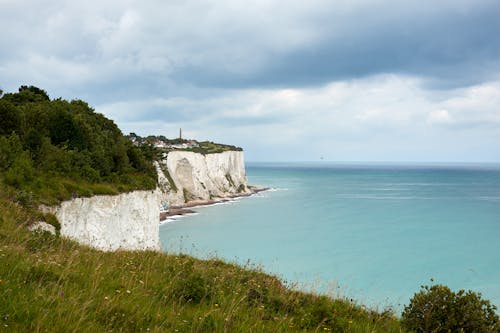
175	218
426	184
277	189
389	189
489	198
379	197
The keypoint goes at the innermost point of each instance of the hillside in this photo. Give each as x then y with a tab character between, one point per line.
48	283
52	150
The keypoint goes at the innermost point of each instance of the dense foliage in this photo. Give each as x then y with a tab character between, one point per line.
438	309
46	143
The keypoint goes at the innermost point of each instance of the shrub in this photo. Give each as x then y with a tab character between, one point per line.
25	198
21	171
52	220
192	288
439	309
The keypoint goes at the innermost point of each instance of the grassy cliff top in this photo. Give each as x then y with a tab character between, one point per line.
48	283
208	147
161	144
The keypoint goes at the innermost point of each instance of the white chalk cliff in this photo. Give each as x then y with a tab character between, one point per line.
131	220
186	176
126	221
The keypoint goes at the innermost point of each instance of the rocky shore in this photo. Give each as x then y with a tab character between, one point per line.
185	208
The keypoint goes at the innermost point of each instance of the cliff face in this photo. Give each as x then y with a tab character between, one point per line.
110	222
131	220
187	176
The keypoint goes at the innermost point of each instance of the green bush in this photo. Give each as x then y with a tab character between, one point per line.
21	171
192	288
9	118
44	142
438	309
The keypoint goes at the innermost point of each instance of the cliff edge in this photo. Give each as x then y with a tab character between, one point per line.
131	220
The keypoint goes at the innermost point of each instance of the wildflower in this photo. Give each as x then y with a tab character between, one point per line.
61	293
128	291
106	298
216	304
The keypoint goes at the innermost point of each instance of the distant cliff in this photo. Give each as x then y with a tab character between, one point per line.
187	176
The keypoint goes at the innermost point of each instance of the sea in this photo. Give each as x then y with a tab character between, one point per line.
374	233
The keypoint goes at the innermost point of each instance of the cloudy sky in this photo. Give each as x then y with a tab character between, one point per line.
347	80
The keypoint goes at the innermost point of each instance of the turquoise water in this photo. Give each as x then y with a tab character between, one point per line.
373	233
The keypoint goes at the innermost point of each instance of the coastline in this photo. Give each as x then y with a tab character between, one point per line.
185	209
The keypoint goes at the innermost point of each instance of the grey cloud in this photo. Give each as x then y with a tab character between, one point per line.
216	68
448	46
242	121
132	49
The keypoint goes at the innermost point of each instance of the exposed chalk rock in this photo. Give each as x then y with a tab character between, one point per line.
42	226
126	221
186	176
130	221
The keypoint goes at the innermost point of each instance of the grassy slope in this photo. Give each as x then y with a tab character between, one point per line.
52	189
52	284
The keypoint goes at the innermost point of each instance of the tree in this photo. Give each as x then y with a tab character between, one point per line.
69	139
42	94
27	94
21	171
10	147
9	118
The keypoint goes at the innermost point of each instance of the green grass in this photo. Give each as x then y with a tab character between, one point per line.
169	177
52	284
207	147
229	180
52	189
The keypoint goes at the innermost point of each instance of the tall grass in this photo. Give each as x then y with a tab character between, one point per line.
51	284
